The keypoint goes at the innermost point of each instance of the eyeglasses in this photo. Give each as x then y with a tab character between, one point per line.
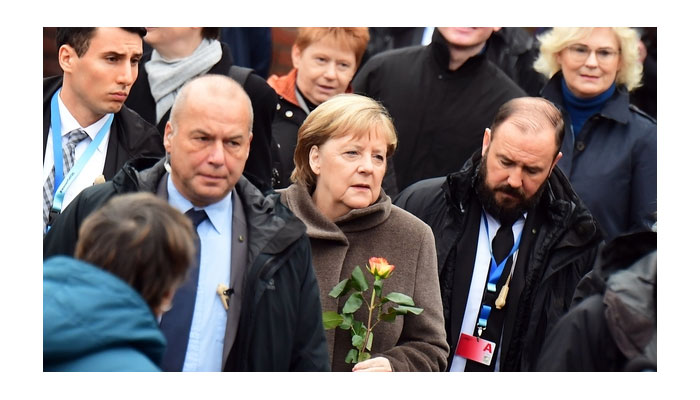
580	53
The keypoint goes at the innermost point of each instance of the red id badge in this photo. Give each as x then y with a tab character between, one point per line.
475	349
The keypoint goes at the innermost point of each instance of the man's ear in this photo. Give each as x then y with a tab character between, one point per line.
486	141
168	136
314	160
67	57
556	159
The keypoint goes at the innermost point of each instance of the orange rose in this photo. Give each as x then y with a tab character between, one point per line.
380	267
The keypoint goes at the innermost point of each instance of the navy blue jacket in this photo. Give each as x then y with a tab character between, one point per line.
611	163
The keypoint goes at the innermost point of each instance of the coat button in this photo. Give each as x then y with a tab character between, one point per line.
278	106
580	146
288	114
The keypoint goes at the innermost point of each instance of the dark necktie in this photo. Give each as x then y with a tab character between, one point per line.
74	137
176	323
501	246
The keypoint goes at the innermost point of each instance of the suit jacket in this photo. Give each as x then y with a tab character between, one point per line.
280	326
129	136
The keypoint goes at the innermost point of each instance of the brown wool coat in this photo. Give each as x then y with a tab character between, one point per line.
411	343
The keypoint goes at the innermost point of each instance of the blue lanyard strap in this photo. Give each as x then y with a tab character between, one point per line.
497	269
60	185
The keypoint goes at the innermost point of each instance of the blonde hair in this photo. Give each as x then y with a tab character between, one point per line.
343	114
355	39
558	39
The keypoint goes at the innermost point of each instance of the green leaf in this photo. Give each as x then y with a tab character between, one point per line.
347	321
358	341
351	358
369	341
400	298
359	327
331	319
388	316
353	303
403	310
358	280
340	289
364	356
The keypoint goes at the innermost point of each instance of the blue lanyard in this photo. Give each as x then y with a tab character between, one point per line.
497	269
60	185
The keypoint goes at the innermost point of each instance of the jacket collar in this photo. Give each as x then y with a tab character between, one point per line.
285	86
563	206
441	55
271	227
616	108
299	200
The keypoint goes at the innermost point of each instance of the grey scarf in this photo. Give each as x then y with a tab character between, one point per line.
166	77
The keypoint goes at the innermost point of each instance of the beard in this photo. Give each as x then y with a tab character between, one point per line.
509	209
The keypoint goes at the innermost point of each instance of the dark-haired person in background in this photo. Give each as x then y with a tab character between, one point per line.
100	308
83	109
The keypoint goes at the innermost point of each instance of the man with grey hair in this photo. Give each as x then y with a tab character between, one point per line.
513	240
252	302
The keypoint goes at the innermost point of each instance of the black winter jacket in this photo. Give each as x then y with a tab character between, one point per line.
440	115
280	325
130	136
258	167
612	326
563	252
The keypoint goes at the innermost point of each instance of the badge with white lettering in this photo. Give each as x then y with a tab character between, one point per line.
475	349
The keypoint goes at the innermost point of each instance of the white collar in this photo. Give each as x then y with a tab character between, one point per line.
69	123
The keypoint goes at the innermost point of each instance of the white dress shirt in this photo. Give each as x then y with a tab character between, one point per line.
482	263
94	166
206	343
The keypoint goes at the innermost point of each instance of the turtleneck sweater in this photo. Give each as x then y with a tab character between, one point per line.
580	109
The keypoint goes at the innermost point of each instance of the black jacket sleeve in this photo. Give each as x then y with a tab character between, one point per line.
63	234
310	346
258	167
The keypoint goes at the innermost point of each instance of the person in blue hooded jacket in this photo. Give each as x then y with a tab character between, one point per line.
101	308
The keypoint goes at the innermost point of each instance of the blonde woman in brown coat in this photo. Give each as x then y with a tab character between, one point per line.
340	161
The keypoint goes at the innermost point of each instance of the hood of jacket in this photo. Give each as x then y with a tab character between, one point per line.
625	274
88	310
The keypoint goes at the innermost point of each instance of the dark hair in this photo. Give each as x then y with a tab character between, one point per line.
211	33
529	113
141	239
79	38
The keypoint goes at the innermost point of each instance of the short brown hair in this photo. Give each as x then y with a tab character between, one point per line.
141	239
342	114
355	39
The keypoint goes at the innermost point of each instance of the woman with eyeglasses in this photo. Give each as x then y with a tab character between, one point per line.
610	145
